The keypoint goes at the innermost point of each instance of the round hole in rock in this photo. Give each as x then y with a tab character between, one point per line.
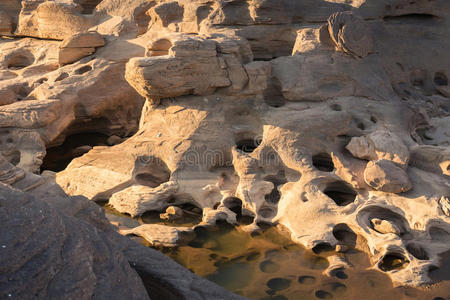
417	251
373	119
83	70
234	204
440	79
321	294
306	279
323	162
344	234
248	145
336	107
392	261
266	212
151	171
62	76
322	247
340	192
361	126
279	284
20	61
14	157
275	101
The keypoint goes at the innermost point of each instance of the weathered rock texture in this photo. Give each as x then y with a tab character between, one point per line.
329	118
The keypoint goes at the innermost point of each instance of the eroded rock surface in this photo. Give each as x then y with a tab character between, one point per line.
329	118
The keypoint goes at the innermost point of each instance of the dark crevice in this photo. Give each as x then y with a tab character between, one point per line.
323	162
340	192
322	247
417	251
247	145
59	157
277	180
393	261
440	79
411	18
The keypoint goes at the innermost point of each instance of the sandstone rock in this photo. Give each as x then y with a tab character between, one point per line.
5	23
350	34
445	205
380	145
384	226
384	175
79	46
172	213
191	68
250	105
161	235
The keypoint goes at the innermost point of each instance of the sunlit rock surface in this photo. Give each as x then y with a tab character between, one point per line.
325	118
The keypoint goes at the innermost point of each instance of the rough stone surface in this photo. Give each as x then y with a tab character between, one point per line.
288	109
385	176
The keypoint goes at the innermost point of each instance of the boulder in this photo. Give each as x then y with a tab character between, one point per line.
384	175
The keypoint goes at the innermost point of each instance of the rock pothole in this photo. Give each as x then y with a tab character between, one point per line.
393	261
340	192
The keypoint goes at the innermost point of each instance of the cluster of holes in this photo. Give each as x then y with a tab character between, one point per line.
323	162
340	192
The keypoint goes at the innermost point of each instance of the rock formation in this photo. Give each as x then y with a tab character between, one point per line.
327	118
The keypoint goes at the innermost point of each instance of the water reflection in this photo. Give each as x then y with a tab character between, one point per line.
270	266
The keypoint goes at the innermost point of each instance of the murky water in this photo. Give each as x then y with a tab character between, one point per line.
270	266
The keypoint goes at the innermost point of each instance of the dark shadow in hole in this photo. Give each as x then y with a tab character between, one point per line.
88	6
234	204
440	79
62	76
392	261
417	251
344	234
277	180
336	107
59	157
20	61
322	247
340	192
83	69
323	162
411	18
247	145
150	171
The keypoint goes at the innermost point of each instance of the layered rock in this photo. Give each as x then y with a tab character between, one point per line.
327	118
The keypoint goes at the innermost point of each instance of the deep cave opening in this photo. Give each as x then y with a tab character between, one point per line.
75	145
340	192
323	162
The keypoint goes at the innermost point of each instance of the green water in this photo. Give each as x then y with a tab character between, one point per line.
270	266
